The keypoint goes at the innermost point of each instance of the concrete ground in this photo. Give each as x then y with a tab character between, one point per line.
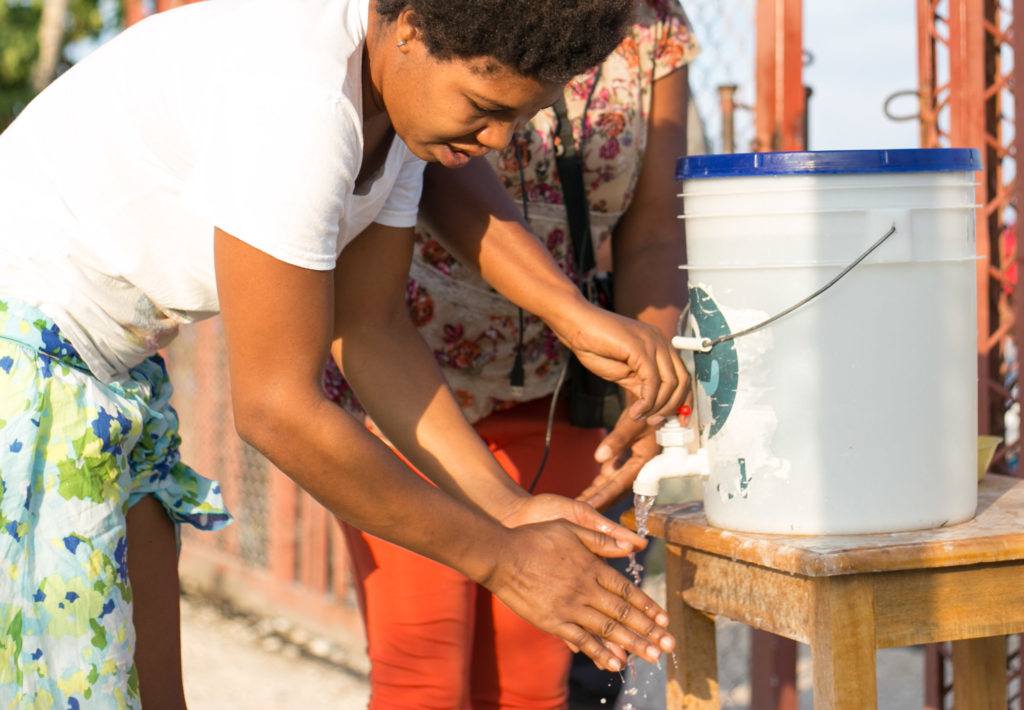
230	662
234	661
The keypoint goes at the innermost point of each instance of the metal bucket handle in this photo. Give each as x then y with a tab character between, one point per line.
702	345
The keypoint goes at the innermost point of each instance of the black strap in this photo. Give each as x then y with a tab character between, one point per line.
569	163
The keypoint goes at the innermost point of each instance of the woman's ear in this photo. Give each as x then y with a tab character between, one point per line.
408	28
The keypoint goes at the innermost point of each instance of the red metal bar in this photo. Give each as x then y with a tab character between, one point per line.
934	677
162	5
282	523
727	106
341	576
1017	258
780	120
134	10
975	121
764	106
927	30
772	672
313	563
231	473
780	113
791	113
978	83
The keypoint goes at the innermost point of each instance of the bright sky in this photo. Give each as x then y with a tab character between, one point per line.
863	51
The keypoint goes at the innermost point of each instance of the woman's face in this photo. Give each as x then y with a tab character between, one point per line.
449	111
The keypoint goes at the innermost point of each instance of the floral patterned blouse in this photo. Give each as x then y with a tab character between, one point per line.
470	328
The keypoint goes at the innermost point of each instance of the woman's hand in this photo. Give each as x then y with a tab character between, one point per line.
548	574
546	507
621	454
629	353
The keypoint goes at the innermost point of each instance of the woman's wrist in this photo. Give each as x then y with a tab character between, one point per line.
479	558
563	311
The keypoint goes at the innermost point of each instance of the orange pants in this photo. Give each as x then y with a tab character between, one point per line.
436	639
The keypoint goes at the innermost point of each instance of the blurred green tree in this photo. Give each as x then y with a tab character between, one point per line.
34	38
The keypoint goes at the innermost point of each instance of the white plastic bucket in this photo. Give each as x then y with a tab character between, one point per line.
856	413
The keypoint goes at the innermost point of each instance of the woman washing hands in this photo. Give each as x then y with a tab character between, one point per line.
272	174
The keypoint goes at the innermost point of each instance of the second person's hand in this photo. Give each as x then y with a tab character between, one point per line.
629	353
621	455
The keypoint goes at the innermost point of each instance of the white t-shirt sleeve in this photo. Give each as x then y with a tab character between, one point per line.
277	164
403	201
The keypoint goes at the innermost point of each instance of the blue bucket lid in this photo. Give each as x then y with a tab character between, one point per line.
829	162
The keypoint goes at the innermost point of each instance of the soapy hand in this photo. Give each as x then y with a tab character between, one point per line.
546	507
629	353
548	574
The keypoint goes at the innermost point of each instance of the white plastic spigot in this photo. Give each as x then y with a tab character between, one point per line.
674	461
672	434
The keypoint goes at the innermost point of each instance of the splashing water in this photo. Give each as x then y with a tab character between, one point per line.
642	505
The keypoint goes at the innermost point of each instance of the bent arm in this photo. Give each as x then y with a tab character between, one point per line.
376	343
279	323
648	243
278	320
482	227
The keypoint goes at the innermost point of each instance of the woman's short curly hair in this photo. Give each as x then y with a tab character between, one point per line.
548	40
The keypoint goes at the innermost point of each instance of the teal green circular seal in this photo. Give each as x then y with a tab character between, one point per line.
718	371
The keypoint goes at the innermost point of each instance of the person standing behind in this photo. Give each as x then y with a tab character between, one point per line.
436	639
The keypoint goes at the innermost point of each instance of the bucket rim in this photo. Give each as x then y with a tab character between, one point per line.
829	162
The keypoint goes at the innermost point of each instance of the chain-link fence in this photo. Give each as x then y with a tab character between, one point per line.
726	32
198	361
284	556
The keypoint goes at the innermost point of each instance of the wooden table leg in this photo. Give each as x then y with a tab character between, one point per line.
693	673
772	672
979	674
843	644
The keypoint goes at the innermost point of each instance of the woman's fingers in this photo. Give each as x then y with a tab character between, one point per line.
618	585
649	381
547	572
575	636
545	507
586	517
636	631
608	629
615	648
618	440
604	545
662	379
670	393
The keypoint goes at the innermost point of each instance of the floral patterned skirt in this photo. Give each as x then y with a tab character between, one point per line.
75	455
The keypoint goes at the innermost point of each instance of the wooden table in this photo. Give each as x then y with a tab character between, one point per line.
848	596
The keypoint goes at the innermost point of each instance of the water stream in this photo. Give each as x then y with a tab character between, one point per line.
642	506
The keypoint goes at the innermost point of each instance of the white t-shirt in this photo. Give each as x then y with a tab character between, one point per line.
240	114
